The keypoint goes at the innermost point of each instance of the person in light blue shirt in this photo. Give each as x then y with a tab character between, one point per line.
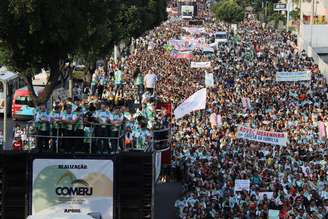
118	82
102	116
68	124
42	123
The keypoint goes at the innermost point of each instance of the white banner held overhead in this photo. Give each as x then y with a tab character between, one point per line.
269	195
242	184
276	138
194	30
200	64
209	80
197	101
293	76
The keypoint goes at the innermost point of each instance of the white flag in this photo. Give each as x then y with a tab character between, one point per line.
197	101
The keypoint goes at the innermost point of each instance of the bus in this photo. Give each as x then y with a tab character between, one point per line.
9	83
22	106
221	37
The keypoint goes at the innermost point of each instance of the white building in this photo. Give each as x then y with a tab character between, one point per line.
314	24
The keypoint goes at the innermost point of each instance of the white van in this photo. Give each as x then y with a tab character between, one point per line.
221	37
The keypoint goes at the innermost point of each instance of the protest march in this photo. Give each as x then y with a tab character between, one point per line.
249	124
258	147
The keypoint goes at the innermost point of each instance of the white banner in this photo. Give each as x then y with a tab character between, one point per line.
246	102
73	186
197	101
293	76
200	64
273	214
269	195
276	138
242	184
209	80
194	30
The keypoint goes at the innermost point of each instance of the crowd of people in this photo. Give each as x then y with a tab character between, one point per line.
206	153
96	124
207	156
210	157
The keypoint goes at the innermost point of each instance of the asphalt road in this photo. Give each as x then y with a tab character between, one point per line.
10	127
165	196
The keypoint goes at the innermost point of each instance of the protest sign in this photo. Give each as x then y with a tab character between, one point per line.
181	55
200	64
209	80
246	102
194	30
273	214
276	138
181	45
242	184
208	49
322	130
293	76
219	120
268	194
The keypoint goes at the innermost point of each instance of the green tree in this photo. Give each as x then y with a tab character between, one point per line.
46	34
229	11
295	14
37	34
138	16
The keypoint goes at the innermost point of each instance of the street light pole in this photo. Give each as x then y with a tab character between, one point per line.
5	138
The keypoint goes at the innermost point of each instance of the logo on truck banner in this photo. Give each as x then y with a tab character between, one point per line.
79	187
71	186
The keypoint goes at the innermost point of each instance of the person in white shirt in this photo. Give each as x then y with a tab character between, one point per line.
150	81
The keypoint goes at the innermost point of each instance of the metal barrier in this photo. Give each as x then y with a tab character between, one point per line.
92	139
89	137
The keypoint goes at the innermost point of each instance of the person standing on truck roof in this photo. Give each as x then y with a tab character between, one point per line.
42	122
56	127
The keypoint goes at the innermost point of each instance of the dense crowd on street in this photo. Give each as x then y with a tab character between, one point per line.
207	156
206	153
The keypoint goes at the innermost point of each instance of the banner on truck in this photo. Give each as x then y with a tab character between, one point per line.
73	186
293	76
276	138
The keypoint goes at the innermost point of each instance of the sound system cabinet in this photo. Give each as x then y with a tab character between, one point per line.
135	193
13	186
133	183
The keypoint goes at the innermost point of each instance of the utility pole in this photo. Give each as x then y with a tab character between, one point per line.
266	11
288	10
312	22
